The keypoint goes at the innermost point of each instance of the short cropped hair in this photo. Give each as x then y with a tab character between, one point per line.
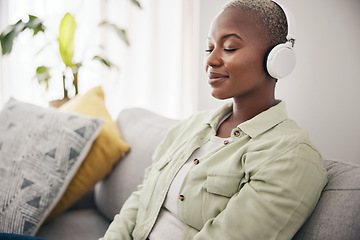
268	15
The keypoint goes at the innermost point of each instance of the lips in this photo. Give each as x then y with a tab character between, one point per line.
215	77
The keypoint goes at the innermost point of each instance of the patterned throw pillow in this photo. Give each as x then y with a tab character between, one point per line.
106	151
40	151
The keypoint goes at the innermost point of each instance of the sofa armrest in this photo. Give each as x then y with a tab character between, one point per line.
337	214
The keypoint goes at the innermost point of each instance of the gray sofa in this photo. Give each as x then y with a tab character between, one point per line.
336	216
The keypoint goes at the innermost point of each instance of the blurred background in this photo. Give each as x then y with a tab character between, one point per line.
162	68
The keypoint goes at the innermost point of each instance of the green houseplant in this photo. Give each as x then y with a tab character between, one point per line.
65	41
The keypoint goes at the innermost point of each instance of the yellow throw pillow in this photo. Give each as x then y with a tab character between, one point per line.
106	150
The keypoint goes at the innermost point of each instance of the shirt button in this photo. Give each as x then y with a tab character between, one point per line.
181	198
236	133
196	161
226	142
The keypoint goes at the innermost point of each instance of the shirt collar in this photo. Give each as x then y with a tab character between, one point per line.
258	124
216	116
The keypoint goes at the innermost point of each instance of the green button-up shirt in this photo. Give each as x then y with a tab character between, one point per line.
263	184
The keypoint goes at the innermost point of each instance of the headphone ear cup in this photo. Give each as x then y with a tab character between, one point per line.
281	60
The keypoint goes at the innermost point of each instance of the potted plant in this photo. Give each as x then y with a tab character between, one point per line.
65	41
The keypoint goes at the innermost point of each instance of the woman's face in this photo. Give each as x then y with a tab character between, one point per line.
235	56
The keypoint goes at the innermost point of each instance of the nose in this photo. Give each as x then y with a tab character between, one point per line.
213	59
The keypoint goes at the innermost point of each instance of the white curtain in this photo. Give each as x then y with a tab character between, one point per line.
18	68
157	71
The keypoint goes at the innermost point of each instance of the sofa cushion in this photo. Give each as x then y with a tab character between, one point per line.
107	149
142	130
337	214
75	225
40	151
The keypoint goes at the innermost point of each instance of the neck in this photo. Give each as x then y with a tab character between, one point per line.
245	109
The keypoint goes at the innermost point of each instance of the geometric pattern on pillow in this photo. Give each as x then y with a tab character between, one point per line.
40	151
107	149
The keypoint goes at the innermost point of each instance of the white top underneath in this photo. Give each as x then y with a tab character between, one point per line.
168	226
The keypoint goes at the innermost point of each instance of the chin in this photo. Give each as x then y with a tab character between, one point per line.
219	96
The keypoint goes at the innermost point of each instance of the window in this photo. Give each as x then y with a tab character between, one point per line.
155	71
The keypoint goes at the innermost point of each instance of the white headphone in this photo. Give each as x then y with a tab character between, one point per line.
281	59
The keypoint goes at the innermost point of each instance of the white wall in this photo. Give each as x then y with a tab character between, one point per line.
323	92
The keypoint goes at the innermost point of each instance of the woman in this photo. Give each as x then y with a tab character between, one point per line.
245	171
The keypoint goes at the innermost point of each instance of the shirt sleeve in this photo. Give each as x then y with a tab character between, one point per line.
277	198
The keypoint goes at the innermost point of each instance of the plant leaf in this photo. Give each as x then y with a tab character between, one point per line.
104	61
43	75
66	39
119	31
35	24
8	37
7	41
136	3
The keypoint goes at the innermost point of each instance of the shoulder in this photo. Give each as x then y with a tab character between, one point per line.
290	133
284	140
285	147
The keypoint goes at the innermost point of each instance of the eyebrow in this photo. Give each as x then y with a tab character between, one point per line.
228	36
231	35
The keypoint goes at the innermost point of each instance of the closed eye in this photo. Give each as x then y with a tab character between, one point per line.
226	50
230	49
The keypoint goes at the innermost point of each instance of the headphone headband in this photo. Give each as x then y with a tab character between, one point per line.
290	22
